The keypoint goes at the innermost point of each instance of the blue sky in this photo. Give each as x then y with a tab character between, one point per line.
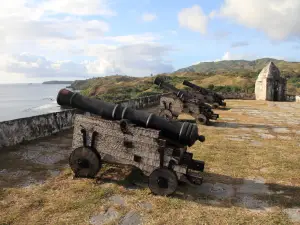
78	39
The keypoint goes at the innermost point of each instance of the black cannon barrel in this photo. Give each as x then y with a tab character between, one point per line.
195	87
165	85
202	90
183	133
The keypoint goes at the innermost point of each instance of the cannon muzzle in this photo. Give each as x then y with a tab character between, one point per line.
184	133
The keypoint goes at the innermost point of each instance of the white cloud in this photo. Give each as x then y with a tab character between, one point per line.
134	39
193	18
134	60
78	7
235	56
144	59
38	66
148	17
279	19
55	30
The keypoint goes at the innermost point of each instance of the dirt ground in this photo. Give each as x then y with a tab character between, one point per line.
252	155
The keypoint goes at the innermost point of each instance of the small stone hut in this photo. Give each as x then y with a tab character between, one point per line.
270	85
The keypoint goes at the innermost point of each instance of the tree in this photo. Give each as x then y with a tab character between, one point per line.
211	86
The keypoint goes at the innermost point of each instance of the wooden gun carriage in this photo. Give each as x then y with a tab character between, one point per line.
184	102
211	97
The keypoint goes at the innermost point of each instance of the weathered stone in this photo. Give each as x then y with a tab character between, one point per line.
259	130
146	205
255	186
118	200
217	190
229	119
280	130
25	129
236	139
285	138
253	204
131	218
256	143
293	214
267	136
104	217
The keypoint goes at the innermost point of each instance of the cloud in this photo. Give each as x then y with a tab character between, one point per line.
239	44
66	39
78	7
133	39
148	17
233	56
68	28
193	19
144	59
278	19
38	66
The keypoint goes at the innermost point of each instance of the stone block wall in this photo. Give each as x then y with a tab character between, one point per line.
233	95
143	102
25	129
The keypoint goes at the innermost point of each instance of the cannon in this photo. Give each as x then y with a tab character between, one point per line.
121	135
184	102
215	99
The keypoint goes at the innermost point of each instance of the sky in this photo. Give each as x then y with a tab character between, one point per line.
69	40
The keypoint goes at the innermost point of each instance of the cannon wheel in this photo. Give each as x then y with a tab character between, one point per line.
166	113
215	105
163	181
202	119
85	162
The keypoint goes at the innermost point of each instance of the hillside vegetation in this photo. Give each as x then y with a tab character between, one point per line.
222	76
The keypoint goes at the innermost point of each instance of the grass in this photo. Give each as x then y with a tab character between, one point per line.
64	200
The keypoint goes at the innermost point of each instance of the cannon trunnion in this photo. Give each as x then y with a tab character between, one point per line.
184	102
164	161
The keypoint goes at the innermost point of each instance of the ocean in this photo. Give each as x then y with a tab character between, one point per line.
25	100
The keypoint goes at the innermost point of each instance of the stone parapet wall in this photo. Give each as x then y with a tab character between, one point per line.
143	102
17	131
26	129
244	96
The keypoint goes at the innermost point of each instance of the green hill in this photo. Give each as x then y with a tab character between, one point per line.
243	66
222	76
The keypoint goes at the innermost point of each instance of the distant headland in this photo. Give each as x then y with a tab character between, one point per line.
57	82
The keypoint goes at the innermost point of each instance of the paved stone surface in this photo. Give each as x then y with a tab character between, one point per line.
253	186
146	205
217	190
267	136
293	214
35	161
285	138
117	200
105	217
256	143
253	204
131	218
281	130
